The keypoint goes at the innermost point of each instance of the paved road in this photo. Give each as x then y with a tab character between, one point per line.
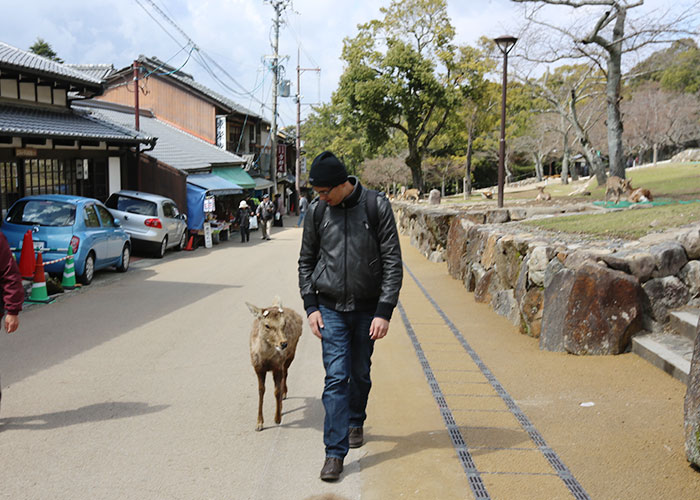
140	387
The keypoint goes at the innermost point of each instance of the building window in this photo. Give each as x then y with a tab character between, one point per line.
9	188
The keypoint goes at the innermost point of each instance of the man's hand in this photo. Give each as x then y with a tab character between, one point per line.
11	322
378	329
316	323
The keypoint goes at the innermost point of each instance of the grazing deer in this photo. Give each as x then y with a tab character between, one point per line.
542	196
487	194
273	343
615	186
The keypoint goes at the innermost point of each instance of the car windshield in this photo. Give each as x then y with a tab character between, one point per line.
131	205
42	213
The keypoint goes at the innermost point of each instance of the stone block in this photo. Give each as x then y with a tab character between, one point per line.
488	256
487	287
591	310
635	262
531	307
455	254
670	258
503	302
539	258
691	408
507	261
664	294
690	276
498	216
690	240
434	197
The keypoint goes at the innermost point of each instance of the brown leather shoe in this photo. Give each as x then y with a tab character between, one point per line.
332	468
355	437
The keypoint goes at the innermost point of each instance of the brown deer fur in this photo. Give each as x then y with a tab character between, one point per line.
542	196
615	186
273	342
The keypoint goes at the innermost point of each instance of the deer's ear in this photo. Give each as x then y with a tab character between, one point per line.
277	303
257	312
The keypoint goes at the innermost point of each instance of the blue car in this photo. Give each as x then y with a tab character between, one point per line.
58	220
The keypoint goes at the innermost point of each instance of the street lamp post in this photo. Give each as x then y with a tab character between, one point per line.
505	44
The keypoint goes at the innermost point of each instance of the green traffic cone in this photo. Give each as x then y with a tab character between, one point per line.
39	292
68	280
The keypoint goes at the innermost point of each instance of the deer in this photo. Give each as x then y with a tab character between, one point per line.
615	186
542	196
638	195
273	342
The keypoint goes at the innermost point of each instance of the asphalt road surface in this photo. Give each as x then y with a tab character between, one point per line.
140	387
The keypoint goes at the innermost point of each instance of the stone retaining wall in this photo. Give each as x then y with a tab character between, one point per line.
575	293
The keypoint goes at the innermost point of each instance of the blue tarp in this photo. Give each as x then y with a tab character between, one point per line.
195	206
214	184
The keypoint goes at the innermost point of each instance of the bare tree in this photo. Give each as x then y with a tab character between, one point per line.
541	141
655	118
602	35
385	173
443	170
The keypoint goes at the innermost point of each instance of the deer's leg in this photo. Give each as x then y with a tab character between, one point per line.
261	394
278	376
284	377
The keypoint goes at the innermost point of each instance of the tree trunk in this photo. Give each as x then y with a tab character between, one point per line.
565	167
612	97
414	162
656	153
468	166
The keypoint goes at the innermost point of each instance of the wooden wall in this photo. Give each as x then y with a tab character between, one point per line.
171	104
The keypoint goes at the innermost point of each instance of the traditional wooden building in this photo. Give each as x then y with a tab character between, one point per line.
46	146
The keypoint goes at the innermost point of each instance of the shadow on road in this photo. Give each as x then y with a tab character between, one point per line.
92	413
477	439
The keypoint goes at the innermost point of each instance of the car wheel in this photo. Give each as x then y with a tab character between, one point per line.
126	259
163	246
183	241
89	273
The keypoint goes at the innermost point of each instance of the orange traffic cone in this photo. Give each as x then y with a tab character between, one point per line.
189	244
39	291
27	262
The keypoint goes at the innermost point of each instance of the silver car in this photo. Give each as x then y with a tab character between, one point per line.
153	221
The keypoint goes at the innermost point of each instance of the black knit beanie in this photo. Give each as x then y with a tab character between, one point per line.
327	171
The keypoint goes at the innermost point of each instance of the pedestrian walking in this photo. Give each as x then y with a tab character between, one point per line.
12	289
244	214
279	210
265	212
303	207
350	274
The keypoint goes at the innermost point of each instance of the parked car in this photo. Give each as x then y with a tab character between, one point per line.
59	220
153	221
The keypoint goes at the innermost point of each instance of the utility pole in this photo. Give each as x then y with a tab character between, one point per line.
298	96
279	6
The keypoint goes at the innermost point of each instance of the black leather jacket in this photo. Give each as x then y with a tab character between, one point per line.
346	267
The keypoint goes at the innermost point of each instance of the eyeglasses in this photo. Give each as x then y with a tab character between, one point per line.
325	192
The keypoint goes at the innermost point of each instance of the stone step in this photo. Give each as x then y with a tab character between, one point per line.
668	351
684	322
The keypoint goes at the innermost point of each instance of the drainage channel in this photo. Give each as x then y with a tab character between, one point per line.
473	475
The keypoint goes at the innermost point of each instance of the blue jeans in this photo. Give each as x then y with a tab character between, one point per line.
347	352
301	218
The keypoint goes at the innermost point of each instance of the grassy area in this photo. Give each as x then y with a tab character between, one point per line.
676	184
627	224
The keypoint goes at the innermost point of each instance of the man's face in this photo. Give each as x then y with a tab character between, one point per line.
331	195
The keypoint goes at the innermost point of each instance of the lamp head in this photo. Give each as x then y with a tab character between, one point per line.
505	43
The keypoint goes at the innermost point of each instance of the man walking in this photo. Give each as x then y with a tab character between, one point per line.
303	207
350	274
265	212
12	289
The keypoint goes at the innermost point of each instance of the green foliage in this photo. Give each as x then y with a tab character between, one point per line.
43	48
676	68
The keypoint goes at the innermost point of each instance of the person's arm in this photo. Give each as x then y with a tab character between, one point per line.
392	264
308	258
12	289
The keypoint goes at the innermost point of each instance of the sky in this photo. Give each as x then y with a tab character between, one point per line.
237	34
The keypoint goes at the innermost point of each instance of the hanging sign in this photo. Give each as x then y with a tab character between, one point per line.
207	235
209	205
281	159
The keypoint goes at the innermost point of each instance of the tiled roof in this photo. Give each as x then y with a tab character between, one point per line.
35	122
98	71
174	147
19	60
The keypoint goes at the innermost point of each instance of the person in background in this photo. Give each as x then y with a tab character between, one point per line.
265	212
244	214
303	207
279	210
12	289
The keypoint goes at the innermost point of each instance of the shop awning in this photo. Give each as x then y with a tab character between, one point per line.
214	184
261	183
236	175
